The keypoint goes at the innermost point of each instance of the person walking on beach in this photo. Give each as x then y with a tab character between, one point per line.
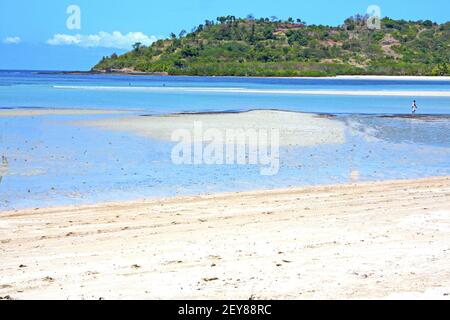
414	107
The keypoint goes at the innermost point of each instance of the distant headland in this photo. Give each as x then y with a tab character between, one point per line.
248	46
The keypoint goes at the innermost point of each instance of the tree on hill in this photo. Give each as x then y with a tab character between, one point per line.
270	47
137	46
182	33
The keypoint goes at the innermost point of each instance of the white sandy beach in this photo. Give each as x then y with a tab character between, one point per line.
374	240
408	78
387	240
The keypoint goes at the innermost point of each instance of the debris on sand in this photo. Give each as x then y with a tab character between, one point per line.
48	279
210	279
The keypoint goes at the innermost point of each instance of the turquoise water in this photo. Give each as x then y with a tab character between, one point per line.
31	89
51	161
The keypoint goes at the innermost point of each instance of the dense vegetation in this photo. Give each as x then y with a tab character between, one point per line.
270	47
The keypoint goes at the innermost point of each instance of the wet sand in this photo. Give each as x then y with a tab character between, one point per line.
31	112
423	117
374	240
295	128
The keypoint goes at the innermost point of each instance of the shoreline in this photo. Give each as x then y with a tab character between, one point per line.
45	111
338	77
409	78
354	241
225	194
66	111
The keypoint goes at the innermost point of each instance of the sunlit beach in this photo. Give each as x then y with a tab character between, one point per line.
190	151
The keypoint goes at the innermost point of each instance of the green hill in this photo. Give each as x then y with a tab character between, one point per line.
270	47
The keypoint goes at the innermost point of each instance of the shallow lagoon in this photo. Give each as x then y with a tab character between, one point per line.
51	161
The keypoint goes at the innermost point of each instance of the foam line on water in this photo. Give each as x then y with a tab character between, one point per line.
411	93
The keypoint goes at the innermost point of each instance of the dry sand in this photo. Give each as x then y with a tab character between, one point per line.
373	240
31	112
299	129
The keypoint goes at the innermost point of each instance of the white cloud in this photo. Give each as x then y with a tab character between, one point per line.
12	40
102	39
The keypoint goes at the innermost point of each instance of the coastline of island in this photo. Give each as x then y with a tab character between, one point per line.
337	77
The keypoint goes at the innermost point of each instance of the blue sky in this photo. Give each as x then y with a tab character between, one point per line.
34	35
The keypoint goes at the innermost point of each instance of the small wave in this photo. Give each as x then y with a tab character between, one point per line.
130	88
263	91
